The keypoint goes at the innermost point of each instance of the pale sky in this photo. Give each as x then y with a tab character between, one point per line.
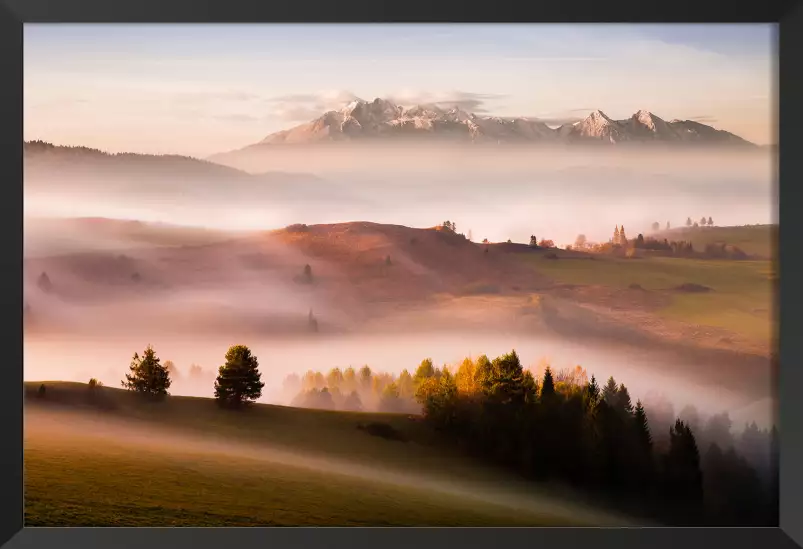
201	89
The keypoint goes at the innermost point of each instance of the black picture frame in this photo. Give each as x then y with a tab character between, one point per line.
788	15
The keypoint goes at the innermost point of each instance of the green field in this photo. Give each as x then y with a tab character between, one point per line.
79	475
741	300
754	240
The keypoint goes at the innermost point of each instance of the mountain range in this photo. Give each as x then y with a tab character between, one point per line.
383	119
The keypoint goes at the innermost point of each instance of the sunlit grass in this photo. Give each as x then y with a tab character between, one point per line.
741	300
85	483
82	477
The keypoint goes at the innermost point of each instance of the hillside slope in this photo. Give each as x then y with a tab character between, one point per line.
267	465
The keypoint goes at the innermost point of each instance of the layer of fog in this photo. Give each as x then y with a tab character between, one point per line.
646	373
496	193
141	436
493	193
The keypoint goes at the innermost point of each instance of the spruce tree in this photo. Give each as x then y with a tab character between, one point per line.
643	457
643	436
239	379
548	385
592	394
148	376
683	472
623	401
507	385
530	387
610	392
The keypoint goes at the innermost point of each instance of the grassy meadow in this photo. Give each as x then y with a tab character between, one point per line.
741	299
83	476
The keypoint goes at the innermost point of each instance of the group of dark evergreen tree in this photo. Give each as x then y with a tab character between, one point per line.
239	380
595	438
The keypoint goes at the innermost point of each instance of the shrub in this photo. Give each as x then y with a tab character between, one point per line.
383	430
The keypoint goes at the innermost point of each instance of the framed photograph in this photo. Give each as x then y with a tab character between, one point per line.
409	277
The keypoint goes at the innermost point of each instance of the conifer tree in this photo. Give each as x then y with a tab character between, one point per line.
610	392
508	377
239	380
530	386
548	385
623	401
148	375
643	436
592	394
683	473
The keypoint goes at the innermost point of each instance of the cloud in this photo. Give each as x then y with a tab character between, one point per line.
211	96
237	117
301	107
568	116
558	121
468	101
704	119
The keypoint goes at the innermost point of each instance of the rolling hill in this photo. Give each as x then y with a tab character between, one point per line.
106	458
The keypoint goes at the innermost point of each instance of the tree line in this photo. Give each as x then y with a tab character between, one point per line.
682	470
569	428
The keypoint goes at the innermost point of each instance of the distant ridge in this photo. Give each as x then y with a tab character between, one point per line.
382	119
43	156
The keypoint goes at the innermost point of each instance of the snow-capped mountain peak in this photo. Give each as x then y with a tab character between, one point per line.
383	118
